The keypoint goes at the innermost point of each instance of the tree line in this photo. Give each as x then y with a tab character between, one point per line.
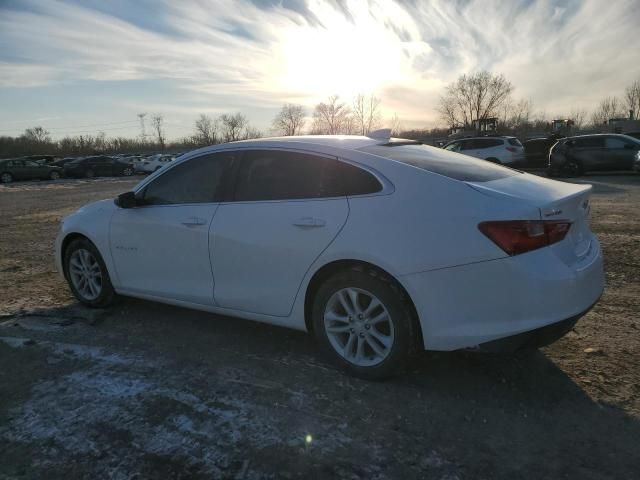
471	98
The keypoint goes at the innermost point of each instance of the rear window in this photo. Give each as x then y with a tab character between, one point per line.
442	162
515	142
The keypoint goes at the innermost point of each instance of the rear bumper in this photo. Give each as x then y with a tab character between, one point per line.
472	305
540	337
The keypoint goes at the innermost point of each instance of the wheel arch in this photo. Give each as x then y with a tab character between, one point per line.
331	268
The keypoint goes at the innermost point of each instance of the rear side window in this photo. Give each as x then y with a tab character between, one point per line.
436	160
515	142
198	180
282	175
488	142
615	143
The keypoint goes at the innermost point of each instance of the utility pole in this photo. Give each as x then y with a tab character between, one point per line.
143	134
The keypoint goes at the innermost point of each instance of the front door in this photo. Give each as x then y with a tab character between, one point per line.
161	248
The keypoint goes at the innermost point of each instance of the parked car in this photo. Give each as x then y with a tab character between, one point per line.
153	163
46	159
19	169
505	150
635	135
97	166
536	152
63	161
378	247
593	153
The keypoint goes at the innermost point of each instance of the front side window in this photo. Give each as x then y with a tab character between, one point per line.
589	142
198	180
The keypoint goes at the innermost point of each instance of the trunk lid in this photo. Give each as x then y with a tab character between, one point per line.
555	201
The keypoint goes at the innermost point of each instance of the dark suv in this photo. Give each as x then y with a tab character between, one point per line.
591	153
97	166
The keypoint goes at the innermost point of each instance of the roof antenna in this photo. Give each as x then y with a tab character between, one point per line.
382	134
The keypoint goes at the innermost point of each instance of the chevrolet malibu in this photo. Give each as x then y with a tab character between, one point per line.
379	247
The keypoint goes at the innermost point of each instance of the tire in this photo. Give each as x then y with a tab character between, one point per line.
573	168
6	177
89	174
127	172
493	160
399	333
157	168
54	175
81	258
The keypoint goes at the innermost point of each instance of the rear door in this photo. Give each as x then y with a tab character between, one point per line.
590	152
620	152
285	212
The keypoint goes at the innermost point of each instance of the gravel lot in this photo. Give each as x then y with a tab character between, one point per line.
154	391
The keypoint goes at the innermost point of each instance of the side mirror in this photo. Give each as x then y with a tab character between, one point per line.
126	200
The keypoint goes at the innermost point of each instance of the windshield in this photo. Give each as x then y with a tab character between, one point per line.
442	162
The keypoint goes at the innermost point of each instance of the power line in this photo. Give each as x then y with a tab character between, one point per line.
78	126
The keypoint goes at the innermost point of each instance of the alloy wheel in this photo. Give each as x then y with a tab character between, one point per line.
6	178
85	273
359	327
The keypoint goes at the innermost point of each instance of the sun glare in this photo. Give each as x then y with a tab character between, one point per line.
341	58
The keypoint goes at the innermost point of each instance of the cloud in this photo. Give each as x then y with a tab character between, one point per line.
253	55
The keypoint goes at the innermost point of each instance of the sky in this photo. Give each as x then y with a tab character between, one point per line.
84	66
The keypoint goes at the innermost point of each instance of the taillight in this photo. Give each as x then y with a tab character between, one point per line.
512	149
520	236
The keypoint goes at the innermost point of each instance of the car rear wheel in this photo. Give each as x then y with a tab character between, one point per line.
6	177
127	172
493	160
87	274
363	324
89	174
54	175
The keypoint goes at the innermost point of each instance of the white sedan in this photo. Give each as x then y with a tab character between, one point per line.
380	247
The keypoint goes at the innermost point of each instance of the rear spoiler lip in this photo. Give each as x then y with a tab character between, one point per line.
579	189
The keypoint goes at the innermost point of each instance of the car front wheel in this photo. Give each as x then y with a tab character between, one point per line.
87	274
54	175
127	172
364	324
6	177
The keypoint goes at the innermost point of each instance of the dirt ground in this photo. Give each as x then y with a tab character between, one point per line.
144	390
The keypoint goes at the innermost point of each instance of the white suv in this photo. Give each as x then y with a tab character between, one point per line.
505	150
153	163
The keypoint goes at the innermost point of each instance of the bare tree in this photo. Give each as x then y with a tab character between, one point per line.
206	130
289	120
521	113
476	96
579	117
366	113
36	135
157	124
332	118
233	125
632	97
396	125
608	108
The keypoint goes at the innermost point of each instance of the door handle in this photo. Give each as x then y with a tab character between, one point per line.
194	221
309	222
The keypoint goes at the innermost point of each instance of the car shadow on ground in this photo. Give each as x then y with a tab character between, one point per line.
461	414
